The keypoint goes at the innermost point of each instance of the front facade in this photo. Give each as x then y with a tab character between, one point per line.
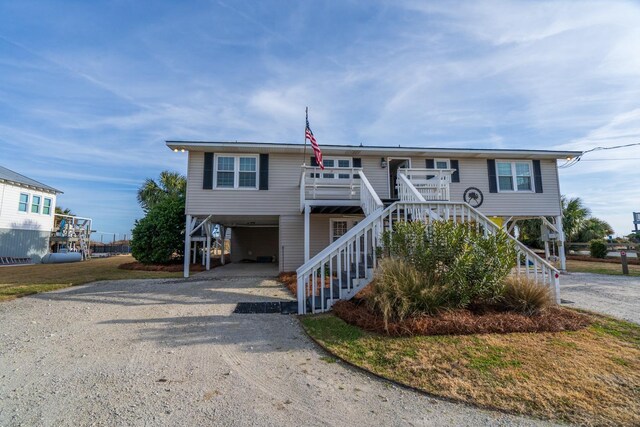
27	209
281	207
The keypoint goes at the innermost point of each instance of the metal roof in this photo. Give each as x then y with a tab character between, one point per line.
11	177
240	146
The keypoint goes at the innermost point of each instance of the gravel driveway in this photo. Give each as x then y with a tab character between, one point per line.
170	352
617	296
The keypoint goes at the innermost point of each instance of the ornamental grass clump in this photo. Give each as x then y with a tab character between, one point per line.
401	291
525	296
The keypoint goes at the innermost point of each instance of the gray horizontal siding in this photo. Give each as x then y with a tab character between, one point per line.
291	242
283	196
16	243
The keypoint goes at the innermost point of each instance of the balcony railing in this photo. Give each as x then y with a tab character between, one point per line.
342	184
432	184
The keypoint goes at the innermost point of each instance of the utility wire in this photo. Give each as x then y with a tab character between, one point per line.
575	160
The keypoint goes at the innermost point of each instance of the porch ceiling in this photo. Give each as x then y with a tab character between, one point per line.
336	210
243	220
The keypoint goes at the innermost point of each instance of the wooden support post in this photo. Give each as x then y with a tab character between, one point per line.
223	231
187	245
625	264
307	218
208	260
560	240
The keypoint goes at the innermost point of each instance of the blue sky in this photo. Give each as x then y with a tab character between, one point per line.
89	91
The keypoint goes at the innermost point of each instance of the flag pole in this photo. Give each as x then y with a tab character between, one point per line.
304	158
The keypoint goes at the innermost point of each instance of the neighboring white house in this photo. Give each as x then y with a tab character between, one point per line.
326	223
27	209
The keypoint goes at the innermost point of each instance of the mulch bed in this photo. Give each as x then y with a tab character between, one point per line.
587	258
172	268
289	280
462	322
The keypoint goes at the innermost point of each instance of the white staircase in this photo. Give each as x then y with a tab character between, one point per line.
347	265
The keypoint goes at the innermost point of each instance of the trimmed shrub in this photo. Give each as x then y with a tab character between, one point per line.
598	249
467	265
525	296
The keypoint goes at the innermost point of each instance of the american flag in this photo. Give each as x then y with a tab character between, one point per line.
314	144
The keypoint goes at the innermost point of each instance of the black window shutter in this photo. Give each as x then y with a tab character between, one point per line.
537	176
357	163
455	176
207	178
491	169
264	172
313	162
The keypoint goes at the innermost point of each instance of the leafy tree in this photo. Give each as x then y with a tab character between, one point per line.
159	236
593	229
170	184
574	214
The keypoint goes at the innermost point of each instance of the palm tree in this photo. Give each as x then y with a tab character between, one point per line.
169	184
593	228
574	214
64	211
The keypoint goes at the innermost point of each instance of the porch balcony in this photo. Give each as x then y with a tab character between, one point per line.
432	184
332	188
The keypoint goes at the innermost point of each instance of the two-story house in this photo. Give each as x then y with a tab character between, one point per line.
281	206
27	209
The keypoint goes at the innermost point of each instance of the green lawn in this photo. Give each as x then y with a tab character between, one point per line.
18	281
587	377
600	268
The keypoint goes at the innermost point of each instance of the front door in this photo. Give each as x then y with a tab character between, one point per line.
394	165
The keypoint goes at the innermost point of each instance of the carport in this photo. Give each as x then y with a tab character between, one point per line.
252	238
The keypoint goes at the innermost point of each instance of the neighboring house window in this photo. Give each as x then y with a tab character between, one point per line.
24	202
514	176
335	163
237	172
442	164
46	207
35	204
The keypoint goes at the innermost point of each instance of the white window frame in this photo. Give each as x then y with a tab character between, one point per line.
236	171
28	203
447	161
44	200
351	222
39	204
336	174
514	176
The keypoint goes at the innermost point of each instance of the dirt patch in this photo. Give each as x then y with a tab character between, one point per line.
462	322
173	267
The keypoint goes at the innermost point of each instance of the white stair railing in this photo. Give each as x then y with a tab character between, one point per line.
432	184
346	266
407	192
369	200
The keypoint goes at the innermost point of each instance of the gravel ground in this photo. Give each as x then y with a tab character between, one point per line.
617	296
170	352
